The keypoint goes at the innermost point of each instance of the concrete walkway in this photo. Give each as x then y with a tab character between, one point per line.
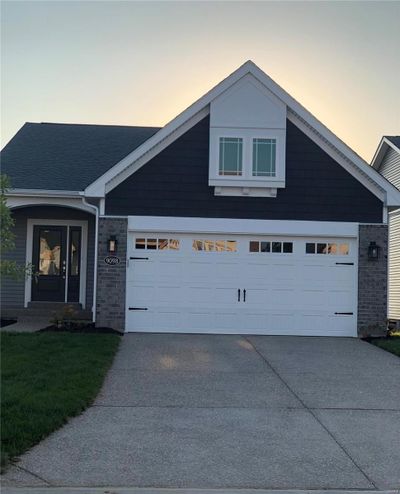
27	324
213	412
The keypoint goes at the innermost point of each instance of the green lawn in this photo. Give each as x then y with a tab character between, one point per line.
46	378
391	345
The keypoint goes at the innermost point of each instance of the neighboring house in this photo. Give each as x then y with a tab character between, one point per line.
387	162
244	214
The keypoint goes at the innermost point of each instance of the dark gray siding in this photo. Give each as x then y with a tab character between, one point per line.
12	292
175	183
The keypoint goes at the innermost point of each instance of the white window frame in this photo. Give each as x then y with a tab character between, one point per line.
31	223
240	144
256	155
247	179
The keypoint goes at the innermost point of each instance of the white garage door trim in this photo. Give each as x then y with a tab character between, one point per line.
211	307
242	226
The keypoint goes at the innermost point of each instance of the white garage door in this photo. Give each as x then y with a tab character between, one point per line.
241	284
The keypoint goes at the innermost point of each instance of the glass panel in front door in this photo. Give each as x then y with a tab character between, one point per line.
48	259
50	252
74	264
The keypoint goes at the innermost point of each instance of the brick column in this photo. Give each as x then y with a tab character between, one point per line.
372	281
111	279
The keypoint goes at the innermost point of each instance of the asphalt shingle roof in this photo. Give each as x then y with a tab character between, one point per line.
67	156
395	140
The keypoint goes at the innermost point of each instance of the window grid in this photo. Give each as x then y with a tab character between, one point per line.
329	248
224	167
214	245
274	247
157	243
269	166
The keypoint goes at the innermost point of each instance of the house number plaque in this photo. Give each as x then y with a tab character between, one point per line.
112	260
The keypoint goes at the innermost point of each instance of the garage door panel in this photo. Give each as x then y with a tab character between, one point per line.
188	290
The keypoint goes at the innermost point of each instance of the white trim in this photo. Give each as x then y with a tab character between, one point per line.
31	222
20	200
96	254
67	268
43	193
381	151
200	108
116	216
385	216
102	206
247	179
245	227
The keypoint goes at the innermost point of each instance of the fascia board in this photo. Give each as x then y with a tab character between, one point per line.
379	154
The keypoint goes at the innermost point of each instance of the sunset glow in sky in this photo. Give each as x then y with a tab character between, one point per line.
142	63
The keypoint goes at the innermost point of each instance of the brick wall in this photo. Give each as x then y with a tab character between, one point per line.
111	280
372	281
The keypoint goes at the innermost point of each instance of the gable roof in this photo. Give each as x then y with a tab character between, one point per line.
301	117
386	143
67	156
97	158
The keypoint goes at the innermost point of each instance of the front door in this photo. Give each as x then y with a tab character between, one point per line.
56	259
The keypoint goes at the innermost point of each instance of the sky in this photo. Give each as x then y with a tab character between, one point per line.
142	63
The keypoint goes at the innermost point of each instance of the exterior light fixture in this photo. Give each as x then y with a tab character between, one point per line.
373	251
112	244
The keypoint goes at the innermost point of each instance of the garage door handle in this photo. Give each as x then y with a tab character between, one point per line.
244	295
138	308
343	313
238	294
139	258
345	263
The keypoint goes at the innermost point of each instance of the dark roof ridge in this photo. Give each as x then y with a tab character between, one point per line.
95	125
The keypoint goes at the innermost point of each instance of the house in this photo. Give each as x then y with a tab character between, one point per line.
387	162
244	214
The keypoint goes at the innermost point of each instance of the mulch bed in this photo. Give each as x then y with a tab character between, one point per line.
79	328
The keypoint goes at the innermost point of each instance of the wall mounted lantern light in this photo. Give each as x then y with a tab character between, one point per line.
373	251
112	244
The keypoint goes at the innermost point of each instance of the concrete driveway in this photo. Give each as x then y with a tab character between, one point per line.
212	411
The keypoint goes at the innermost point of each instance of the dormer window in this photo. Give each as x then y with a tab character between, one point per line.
247	141
247	161
230	156
264	157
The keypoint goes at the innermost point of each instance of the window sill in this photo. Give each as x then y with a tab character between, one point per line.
256	182
239	191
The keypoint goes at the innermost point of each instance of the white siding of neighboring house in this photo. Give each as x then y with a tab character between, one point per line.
390	167
394	266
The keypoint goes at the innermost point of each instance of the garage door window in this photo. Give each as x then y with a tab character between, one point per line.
341	249
157	243
274	247
215	245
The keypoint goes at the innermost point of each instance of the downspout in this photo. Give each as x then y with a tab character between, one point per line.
96	241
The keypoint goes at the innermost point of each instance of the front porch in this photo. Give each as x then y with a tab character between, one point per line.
59	242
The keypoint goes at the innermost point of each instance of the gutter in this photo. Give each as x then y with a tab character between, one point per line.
44	193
